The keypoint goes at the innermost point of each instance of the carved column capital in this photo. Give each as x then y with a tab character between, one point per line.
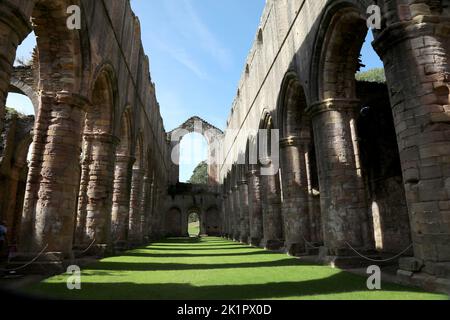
101	136
333	104
72	99
242	182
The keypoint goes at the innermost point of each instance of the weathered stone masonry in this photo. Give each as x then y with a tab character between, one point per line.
362	166
87	82
339	143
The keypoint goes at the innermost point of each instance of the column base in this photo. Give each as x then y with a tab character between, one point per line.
414	265
244	239
254	241
296	249
98	250
121	246
50	263
272	244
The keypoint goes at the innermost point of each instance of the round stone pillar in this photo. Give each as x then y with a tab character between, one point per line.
295	195
121	198
231	214
236	214
99	190
343	199
255	208
271	211
134	232
225	212
80	229
244	204
416	51
52	195
145	206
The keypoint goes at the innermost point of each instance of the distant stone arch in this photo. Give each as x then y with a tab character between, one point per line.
213	137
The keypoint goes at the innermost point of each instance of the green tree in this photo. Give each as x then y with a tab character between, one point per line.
372	75
200	174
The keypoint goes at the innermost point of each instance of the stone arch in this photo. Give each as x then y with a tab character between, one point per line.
336	53
98	148
20	87
63	54
338	43
201	216
213	137
300	205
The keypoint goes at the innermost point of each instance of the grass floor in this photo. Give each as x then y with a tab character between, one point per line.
213	268
194	229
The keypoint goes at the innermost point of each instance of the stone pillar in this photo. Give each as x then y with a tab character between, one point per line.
80	229
313	203
151	210
416	55
271	209
295	195
14	27
134	233
100	190
121	198
255	208
225	213
11	202
236	214
52	186
243	198
231	214
145	207
343	201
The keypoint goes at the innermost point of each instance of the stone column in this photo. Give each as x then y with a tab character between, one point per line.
225	212
100	190
243	198
255	208
12	201
151	210
271	209
145	206
52	191
416	54
343	201
236	214
231	214
80	229
14	27
313	203
34	171
295	195
121	198
134	234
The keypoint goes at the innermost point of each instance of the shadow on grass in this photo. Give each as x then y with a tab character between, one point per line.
336	284
197	248
152	266
187	255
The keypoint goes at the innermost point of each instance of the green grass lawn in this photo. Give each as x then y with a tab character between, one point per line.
213	268
194	229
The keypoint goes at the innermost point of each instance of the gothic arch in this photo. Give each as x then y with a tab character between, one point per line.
213	137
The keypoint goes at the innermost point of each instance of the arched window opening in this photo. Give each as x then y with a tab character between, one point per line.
194	224
193	159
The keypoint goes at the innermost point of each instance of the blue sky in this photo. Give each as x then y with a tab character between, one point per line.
197	51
